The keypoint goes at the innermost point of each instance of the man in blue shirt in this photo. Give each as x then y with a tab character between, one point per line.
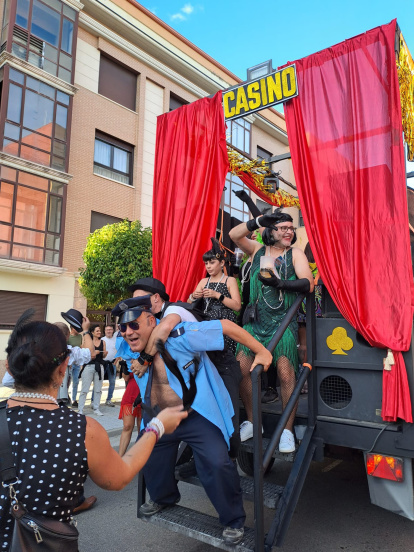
208	427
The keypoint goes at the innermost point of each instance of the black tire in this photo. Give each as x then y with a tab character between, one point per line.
245	461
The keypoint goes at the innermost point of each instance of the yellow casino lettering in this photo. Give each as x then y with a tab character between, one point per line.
254	95
227	111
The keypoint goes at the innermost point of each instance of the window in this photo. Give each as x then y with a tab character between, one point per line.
43	35
99	220
301	221
31	212
36	121
262	153
176	102
117	83
13	305
263	206
113	158
232	204
238	134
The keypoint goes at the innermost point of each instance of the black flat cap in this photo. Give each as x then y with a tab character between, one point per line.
74	318
131	309
152	285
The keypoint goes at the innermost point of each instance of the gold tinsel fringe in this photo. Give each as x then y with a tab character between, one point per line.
258	170
406	80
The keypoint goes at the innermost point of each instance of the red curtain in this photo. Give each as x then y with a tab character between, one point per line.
191	164
345	137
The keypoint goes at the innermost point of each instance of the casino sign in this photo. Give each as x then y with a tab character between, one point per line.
251	96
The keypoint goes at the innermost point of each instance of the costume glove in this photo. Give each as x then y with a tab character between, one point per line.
243	196
299	286
264	221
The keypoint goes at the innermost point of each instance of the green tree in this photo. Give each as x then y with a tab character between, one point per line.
115	256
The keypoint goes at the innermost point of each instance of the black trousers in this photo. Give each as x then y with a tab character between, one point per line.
229	369
217	472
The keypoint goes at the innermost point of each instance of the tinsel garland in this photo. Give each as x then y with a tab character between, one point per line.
258	170
405	68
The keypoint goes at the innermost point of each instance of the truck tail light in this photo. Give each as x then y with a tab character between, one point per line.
385	467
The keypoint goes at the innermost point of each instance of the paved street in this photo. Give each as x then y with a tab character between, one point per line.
334	514
334	511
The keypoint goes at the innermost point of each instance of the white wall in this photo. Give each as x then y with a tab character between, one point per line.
154	102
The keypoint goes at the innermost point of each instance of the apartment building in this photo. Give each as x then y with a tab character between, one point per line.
81	86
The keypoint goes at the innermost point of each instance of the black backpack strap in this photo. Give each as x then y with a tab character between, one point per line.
7	468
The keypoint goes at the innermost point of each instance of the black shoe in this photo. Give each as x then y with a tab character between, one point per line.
187	470
75	404
270	395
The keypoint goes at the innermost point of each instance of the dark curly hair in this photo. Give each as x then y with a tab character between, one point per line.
34	350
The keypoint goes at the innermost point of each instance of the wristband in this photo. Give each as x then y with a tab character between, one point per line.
145	359
221	298
154	430
191	298
156	422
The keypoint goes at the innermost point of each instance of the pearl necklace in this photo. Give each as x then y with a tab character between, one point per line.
35	396
214	289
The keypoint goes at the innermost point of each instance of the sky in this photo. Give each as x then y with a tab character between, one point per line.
240	34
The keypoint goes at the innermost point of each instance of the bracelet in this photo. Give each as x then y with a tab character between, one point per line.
221	298
145	359
153	430
158	424
257	221
191	297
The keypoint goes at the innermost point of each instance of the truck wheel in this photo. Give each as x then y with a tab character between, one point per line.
245	461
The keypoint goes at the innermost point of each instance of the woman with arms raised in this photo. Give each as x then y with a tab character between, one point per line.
271	294
55	448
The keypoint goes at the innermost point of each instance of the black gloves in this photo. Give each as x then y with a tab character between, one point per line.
299	286
264	221
244	196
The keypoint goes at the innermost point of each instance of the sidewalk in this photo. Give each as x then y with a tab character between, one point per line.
109	420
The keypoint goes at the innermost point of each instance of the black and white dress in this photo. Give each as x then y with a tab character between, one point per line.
51	461
215	310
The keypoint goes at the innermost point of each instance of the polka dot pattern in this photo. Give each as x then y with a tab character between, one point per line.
44	444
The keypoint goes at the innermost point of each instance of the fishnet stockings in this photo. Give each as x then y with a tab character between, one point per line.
287	380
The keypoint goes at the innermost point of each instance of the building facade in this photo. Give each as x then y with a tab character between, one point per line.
81	87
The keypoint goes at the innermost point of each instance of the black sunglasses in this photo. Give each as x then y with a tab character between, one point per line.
134	325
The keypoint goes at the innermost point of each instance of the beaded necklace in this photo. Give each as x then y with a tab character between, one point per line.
214	289
35	396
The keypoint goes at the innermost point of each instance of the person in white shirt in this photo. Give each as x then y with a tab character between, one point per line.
110	370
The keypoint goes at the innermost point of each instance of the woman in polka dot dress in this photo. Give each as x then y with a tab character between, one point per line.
54	447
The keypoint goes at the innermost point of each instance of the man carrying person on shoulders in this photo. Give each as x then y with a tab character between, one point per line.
208	427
